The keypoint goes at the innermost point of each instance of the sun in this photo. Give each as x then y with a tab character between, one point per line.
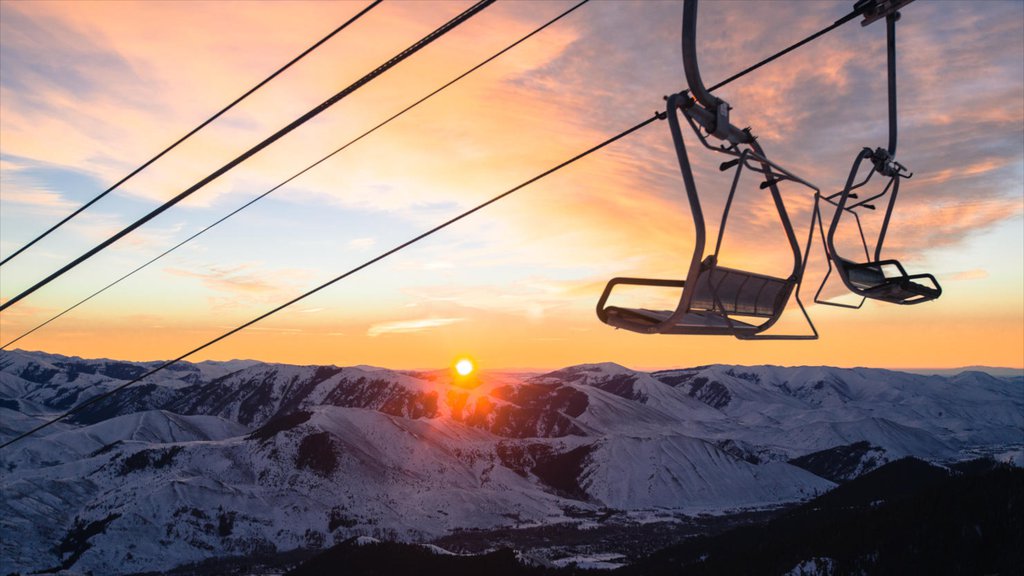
464	367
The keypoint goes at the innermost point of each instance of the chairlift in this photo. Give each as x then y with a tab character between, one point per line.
874	277
713	296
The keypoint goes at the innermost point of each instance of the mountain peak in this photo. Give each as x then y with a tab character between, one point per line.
189	459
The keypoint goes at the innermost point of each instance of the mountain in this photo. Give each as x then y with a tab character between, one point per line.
907	517
243	458
990	370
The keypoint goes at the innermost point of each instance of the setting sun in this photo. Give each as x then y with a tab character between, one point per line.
464	367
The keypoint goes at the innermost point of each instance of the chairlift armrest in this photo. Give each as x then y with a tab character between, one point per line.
929	277
635	282
896	263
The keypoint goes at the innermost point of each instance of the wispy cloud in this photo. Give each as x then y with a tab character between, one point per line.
975	274
45	199
362	243
239	279
410	326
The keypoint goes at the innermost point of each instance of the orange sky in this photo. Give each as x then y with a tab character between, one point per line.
90	90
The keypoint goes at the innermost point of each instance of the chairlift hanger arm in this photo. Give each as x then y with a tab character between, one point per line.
689	45
890	45
885	160
711	112
871	9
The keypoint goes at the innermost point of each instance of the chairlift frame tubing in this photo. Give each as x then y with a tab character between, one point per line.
710	105
728	202
780	206
890	42
794	244
693	78
700	230
888	214
816	215
841	204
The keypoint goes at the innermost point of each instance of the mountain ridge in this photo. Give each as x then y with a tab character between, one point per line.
186	462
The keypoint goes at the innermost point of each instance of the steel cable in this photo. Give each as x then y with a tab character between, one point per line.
448	26
190	134
297	174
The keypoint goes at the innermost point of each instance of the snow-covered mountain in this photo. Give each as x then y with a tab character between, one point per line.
235	458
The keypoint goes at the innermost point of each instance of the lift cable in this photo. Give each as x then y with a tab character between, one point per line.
190	134
99	397
300	173
857	11
407	243
467	14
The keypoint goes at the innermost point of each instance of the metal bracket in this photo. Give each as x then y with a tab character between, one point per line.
886	165
715	122
877	9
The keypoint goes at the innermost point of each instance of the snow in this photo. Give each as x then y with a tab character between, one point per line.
813	567
605	561
177	474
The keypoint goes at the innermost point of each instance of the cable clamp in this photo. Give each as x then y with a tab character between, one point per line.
886	165
877	9
716	122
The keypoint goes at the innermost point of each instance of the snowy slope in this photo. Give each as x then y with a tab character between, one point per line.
237	457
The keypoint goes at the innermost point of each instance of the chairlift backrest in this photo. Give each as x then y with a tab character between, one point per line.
739	292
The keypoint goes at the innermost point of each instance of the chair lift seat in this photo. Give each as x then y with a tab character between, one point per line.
736	291
642	319
868	279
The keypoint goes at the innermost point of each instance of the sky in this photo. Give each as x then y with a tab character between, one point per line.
90	90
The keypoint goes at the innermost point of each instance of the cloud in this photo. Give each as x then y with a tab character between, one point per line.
52	202
532	298
410	326
236	279
931	226
362	243
975	274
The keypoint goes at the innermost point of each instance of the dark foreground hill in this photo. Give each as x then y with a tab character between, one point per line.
387	558
907	517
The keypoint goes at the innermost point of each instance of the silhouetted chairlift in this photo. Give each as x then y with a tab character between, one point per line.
876	278
712	295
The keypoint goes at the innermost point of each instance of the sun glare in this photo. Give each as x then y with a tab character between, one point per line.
464	367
